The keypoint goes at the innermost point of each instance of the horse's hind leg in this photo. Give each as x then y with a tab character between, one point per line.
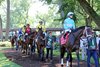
12	45
62	54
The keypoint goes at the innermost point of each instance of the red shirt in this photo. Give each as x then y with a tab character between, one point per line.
28	30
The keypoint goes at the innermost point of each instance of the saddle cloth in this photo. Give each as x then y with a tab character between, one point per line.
64	40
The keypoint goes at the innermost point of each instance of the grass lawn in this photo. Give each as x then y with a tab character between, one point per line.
5	62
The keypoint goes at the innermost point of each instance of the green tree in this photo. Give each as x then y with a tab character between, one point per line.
49	17
90	7
90	11
1	33
1	1
19	12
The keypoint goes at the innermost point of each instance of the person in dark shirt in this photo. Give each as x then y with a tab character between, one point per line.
92	49
49	47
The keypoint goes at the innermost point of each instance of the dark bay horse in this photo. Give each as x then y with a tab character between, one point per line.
28	44
31	42
72	45
40	42
20	42
13	40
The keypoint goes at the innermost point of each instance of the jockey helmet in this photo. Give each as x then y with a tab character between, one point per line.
70	13
24	26
40	22
28	24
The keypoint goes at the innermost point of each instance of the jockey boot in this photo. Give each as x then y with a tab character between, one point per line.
65	35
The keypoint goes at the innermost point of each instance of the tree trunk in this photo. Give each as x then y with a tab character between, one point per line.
90	11
1	34
8	19
88	21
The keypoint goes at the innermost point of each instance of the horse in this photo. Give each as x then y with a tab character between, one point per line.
13	40
72	45
20	42
40	42
28	43
31	42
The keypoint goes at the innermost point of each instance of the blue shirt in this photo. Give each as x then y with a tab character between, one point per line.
20	32
49	42
69	24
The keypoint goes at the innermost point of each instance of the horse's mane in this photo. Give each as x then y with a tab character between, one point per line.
81	27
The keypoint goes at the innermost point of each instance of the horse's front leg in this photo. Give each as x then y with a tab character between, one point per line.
69	59
62	54
78	58
42	53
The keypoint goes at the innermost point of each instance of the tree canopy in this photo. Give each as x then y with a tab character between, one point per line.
58	9
83	9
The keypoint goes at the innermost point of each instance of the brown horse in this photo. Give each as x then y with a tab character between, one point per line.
20	42
13	40
40	42
72	45
29	43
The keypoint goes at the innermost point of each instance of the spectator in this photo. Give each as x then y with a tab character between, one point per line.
49	47
83	45
98	39
92	47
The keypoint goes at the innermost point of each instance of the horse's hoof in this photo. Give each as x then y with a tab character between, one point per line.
62	65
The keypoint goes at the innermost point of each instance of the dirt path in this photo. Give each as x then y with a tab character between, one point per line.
33	61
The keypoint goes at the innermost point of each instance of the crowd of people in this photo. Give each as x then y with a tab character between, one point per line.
89	42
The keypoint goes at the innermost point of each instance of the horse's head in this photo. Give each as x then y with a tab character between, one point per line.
33	34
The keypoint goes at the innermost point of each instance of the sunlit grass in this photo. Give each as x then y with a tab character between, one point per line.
5	44
4	62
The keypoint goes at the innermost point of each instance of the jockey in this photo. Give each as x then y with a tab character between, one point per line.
23	29
28	29
20	33
69	23
40	27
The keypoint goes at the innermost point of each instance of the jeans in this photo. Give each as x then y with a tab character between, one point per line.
49	54
16	45
92	53
99	47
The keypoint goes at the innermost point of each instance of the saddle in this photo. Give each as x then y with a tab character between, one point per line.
64	38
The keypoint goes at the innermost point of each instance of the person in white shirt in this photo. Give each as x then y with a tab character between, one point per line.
98	43
83	46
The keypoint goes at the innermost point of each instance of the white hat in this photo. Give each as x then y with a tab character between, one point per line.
70	13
